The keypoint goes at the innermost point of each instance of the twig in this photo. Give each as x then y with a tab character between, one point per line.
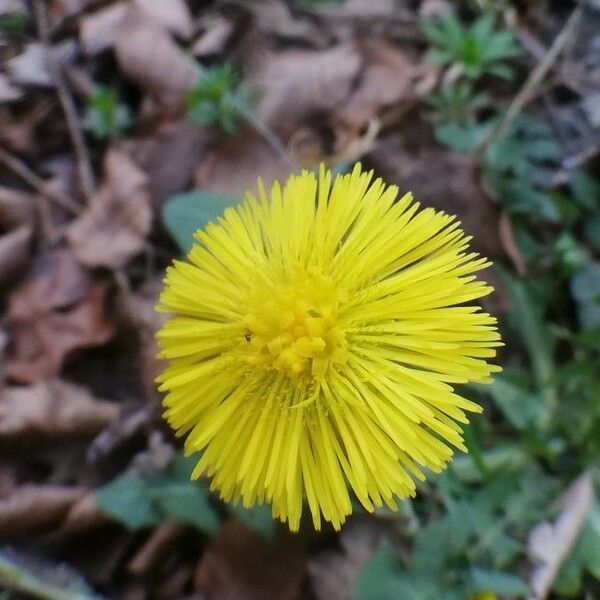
18	167
527	91
156	546
84	165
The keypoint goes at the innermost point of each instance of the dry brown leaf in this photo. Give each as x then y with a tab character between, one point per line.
217	31
31	66
549	543
389	76
169	157
52	408
59	10
274	18
30	507
99	31
16	229
58	310
333	574
147	54
433	9
84	515
114	227
14	251
138	312
234	165
299	83
8	91
173	15
8	6
240	564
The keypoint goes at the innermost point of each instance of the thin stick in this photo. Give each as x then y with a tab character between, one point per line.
18	167
84	165
528	89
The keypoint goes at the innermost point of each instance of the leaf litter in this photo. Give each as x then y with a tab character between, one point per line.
330	81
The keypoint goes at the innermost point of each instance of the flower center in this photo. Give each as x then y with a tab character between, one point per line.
293	327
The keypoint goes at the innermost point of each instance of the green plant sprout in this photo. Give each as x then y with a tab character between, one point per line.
14	23
478	49
219	99
455	107
106	116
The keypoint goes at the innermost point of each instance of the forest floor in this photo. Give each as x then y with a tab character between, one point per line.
125	124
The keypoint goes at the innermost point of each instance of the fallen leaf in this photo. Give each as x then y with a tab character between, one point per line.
99	31
169	157
8	6
8	91
275	18
332	574
173	15
138	313
360	9
240	564
433	9
14	251
31	67
114	227
52	408
234	165
147	54
16	230
389	76
217	31
549	543
299	83
58	310
59	10
30	507
84	515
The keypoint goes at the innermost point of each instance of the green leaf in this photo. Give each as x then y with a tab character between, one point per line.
383	579
128	500
537	339
519	405
187	502
585	190
585	289
591	231
14	23
106	116
258	517
184	214
498	582
143	500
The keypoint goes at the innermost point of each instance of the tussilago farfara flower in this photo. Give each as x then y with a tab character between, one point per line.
317	333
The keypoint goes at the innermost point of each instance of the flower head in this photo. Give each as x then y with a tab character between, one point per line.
317	332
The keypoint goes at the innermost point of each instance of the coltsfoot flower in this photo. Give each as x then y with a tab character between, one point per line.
316	337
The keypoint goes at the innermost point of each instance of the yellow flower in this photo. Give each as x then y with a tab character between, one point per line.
485	596
316	337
